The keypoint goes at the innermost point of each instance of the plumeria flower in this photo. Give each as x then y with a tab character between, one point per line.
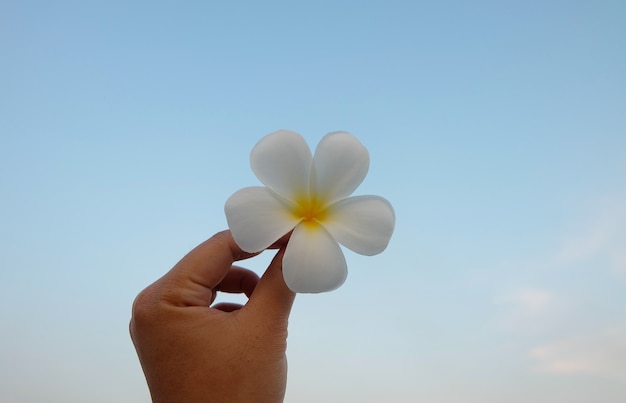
309	195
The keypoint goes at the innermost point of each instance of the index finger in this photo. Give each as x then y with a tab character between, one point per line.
194	277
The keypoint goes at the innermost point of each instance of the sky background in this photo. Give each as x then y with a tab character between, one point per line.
497	129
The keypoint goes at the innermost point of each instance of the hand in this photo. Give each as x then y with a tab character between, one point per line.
191	352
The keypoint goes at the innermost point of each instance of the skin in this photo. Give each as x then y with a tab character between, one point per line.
191	351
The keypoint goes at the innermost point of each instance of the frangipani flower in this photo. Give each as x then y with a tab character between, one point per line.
309	195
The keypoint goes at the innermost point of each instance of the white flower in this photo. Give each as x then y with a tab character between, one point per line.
309	195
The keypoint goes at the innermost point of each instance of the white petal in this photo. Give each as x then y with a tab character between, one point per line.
339	166
282	162
363	224
257	218
313	260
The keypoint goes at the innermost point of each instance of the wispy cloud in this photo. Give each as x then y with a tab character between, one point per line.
531	301
619	263
531	312
603	236
550	320
602	353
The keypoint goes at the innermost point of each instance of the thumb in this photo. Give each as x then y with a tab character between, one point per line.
272	299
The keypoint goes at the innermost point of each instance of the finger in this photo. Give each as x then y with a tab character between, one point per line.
227	306
281	242
192	280
272	299
238	280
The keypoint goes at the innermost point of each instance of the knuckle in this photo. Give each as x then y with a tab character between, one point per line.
144	307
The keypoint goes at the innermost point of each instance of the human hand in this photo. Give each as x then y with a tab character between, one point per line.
191	352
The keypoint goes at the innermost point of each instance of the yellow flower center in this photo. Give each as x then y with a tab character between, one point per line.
310	210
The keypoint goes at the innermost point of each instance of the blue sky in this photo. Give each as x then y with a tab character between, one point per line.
496	129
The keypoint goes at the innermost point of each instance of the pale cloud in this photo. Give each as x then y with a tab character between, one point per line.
527	301
601	354
552	324
529	309
532	301
619	264
604	237
590	241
